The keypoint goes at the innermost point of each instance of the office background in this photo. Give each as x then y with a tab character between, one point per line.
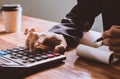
53	10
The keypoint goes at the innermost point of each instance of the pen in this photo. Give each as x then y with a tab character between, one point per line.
99	39
98	42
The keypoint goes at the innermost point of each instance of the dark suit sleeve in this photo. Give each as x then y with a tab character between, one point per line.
78	21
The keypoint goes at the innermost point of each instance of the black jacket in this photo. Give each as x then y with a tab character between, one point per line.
81	18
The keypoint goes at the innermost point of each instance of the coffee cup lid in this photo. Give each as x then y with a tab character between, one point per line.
11	7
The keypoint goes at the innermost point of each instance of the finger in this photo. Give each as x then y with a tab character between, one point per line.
29	30
116	26
28	40
47	39
32	30
39	44
113	32
44	47
117	54
39	41
111	41
32	42
114	48
62	46
115	41
60	49
106	34
26	31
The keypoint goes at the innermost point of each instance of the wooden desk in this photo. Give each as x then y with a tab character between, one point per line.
73	68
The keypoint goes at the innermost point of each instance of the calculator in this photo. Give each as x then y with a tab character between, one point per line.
19	59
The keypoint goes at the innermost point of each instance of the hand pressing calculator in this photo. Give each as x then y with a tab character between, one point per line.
19	59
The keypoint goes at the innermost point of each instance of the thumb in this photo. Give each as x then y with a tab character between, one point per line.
60	48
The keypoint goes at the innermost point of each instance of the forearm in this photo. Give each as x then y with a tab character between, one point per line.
72	28
76	23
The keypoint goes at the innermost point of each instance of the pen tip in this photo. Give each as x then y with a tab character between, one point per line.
96	44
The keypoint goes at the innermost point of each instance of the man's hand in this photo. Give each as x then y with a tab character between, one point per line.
113	40
45	40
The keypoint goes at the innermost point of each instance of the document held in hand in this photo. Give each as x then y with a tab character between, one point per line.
101	54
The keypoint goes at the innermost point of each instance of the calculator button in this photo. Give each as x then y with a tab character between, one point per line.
44	57
18	55
13	57
38	54
44	53
24	58
25	54
14	50
31	56
24	61
50	55
57	54
50	52
20	52
38	58
22	49
8	51
14	53
31	60
3	53
26	51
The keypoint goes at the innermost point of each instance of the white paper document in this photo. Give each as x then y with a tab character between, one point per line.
101	54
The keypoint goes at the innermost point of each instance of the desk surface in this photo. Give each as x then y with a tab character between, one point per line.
73	68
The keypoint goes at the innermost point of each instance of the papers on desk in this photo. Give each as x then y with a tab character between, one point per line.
101	54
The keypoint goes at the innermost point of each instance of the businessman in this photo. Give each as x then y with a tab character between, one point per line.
77	21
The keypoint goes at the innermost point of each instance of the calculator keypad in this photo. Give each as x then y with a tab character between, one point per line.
23	56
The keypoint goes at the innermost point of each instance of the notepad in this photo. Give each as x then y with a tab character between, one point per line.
101	54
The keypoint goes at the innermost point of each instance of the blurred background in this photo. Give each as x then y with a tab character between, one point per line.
52	10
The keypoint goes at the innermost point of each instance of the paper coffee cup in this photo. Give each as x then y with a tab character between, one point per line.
12	14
